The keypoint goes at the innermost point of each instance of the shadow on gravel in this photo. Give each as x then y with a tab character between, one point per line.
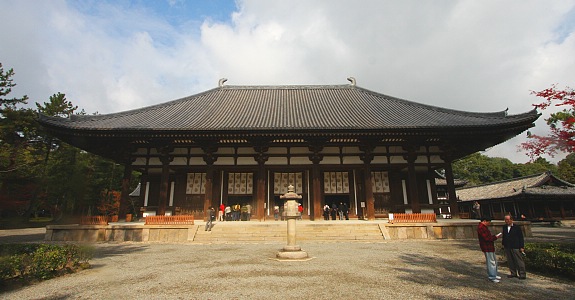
106	250
23	238
445	273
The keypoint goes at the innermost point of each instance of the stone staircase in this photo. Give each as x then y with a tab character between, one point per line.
276	232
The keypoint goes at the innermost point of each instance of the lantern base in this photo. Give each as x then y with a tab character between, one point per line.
286	255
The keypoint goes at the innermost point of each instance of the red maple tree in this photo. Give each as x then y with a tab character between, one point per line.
562	124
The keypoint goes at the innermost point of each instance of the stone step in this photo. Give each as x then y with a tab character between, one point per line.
277	232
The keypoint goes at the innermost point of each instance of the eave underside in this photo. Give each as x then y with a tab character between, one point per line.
117	144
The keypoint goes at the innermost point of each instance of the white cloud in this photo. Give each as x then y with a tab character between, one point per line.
468	55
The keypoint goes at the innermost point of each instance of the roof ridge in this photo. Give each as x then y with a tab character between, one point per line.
550	174
505	181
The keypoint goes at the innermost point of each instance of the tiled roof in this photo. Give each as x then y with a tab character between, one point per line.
540	184
443	182
289	108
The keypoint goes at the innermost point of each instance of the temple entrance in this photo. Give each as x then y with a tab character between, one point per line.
240	202
338	201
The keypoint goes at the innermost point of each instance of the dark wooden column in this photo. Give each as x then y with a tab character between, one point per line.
451	195
164	185
316	157
125	205
412	194
367	157
209	157
208	196
261	157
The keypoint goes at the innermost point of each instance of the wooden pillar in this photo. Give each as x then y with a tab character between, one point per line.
412	194
209	157
164	186
125	205
209	187
367	158
260	193
316	207
369	198
316	157
451	195
261	157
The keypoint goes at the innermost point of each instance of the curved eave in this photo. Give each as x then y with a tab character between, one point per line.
525	121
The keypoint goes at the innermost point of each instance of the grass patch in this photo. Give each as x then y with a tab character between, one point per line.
557	259
41	220
24	263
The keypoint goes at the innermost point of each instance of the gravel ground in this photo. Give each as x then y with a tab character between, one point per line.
397	269
433	269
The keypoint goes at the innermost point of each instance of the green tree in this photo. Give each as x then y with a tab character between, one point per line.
566	168
478	169
50	193
538	166
17	124
18	159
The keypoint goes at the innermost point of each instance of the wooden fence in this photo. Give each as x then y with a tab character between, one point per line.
413	218
170	220
94	220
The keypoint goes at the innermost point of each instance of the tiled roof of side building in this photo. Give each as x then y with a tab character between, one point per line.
545	183
338	107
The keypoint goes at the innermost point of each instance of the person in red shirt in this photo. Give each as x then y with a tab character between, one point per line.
221	212
486	244
300	210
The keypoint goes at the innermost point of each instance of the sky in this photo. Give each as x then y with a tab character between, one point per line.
112	56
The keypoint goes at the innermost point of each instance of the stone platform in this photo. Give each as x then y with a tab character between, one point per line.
272	231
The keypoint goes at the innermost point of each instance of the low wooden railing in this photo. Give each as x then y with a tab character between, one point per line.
170	220
413	218
94	220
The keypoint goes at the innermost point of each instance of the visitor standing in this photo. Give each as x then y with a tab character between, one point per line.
244	212
486	244
333	211
477	210
211	217
249	212
276	212
345	211
326	212
221	212
236	212
514	245
228	212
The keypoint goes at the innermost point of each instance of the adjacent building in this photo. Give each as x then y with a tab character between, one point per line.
536	197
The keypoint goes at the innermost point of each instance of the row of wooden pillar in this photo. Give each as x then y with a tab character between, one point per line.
316	212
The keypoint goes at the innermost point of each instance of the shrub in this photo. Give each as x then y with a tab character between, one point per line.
40	261
551	258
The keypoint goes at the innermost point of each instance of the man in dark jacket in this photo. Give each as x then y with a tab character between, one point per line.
514	248
486	244
210	218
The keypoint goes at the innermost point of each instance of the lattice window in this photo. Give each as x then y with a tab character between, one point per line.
240	183
196	184
335	182
283	180
380	182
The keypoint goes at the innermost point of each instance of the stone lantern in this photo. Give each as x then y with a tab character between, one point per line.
291	250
